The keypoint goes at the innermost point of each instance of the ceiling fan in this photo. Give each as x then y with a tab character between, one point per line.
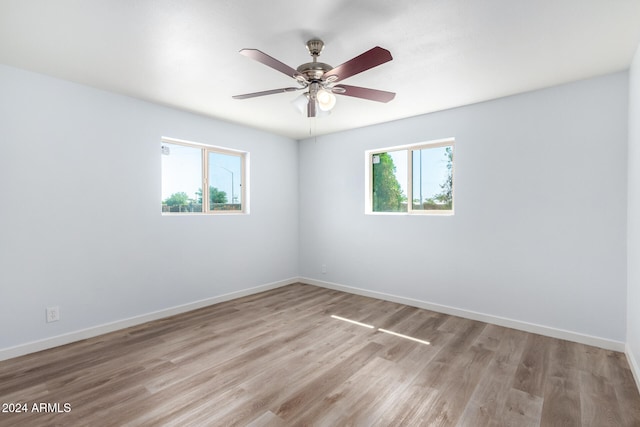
320	79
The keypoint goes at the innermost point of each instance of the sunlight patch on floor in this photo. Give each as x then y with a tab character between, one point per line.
352	321
404	336
344	319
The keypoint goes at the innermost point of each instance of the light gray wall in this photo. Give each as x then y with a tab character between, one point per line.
540	198
633	217
80	223
538	235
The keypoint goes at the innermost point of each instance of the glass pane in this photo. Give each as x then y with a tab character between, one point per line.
181	178
225	182
389	181
433	178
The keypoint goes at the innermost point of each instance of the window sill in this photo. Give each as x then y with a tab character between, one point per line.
428	213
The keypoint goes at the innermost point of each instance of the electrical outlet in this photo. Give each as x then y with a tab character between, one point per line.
324	268
53	314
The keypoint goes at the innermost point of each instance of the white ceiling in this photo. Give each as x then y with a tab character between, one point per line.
446	53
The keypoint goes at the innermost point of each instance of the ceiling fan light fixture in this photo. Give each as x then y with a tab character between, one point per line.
326	100
300	103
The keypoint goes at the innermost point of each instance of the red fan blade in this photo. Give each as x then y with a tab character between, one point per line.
365	93
267	60
369	59
267	92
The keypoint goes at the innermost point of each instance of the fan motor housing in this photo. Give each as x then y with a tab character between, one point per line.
314	70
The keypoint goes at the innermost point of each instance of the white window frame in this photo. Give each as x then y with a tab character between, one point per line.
205	150
410	148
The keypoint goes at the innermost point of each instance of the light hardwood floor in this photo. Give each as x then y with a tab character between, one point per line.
279	359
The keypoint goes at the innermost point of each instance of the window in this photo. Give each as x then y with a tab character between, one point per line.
423	171
187	168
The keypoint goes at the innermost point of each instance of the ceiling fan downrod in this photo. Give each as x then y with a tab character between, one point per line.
313	71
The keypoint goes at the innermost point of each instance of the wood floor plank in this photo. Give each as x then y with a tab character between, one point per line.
561	405
304	362
598	401
412	409
531	374
491	337
268	419
625	387
457	391
278	358
520	409
304	397
488	400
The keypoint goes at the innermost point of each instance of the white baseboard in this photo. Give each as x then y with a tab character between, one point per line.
482	317
34	346
633	364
